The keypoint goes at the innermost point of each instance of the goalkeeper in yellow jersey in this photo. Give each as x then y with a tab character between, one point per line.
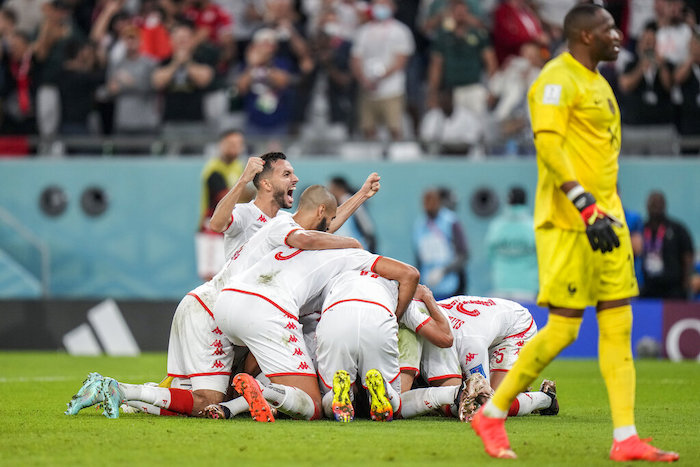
583	245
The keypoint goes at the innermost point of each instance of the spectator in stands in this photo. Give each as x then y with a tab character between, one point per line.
645	84
17	85
687	78
438	16
360	225
447	129
8	24
292	45
459	58
380	54
440	246
29	14
514	24
213	24
510	243
265	82
673	35
509	122
183	79
332	52
106	31
77	84
668	253
55	32
247	17
551	13
129	83
155	39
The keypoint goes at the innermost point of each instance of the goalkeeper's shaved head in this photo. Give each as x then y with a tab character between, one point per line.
315	196
582	17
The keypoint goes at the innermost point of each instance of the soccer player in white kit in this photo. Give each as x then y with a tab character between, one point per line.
276	287
488	335
357	332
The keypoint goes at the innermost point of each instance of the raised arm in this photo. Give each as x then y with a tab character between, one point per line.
406	275
221	217
345	210
315	240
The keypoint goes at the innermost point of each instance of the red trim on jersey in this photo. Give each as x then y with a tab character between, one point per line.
287	236
194	375
288	314
430	380
394	378
324	381
408	368
357	300
521	334
291	374
202	303
498	369
375	263
229	224
423	323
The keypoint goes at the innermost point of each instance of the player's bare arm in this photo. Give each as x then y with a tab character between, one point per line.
406	275
345	210
437	330
315	240
222	213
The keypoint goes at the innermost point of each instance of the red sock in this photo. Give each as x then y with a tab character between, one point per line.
169	413
181	401
514	408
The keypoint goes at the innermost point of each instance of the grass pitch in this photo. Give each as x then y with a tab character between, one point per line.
34	389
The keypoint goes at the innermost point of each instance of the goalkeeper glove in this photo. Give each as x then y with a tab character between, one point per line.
599	224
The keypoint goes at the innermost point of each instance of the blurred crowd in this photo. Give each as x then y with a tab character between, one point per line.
451	74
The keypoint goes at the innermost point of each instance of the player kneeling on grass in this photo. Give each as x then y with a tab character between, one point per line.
357	333
488	334
275	288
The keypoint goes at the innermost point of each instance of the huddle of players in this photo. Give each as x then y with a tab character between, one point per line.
315	310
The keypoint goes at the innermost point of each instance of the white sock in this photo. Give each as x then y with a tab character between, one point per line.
624	432
424	400
290	400
492	411
144	407
393	396
531	401
236	406
159	397
262	380
327	402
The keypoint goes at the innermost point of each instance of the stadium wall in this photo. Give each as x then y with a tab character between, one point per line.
142	245
669	328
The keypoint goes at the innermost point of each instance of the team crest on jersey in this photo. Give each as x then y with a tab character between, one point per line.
478	369
571	288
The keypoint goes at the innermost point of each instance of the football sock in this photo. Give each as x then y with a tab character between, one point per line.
624	432
616	363
393	396
559	332
262	380
425	400
177	400
150	408
327	402
527	402
291	401
236	406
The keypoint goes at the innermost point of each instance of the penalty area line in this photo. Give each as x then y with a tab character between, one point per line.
54	379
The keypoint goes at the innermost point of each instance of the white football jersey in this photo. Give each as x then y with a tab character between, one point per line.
416	315
272	235
246	220
290	277
363	286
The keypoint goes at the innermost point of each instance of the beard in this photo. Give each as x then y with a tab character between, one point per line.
280	198
322	226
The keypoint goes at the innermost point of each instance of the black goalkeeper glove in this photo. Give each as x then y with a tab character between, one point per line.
599	224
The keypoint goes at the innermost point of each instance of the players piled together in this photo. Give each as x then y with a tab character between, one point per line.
303	312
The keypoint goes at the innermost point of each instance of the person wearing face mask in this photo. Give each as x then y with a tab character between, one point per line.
379	57
667	259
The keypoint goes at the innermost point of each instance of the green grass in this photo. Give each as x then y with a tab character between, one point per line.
34	389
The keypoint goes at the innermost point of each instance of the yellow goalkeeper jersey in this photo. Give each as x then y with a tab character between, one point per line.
578	104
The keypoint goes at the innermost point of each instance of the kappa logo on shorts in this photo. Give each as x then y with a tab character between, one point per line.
217	331
303	366
262	218
219	351
470	356
572	288
217	364
298	351
290	325
292	338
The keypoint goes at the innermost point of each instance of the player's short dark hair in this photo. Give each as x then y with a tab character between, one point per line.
230	131
268	159
578	18
516	195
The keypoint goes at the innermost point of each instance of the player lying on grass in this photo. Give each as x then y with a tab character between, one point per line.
276	287
199	355
488	334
